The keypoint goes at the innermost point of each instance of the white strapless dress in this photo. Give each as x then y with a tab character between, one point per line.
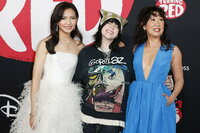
58	99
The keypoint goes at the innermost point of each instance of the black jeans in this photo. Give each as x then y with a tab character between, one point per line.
98	128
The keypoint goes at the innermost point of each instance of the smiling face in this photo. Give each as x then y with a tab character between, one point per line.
110	31
154	26
68	22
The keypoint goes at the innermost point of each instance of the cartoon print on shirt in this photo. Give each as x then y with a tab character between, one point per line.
106	87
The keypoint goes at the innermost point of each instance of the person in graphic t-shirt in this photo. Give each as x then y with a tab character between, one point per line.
104	70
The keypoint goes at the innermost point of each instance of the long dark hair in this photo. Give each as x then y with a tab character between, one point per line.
143	17
98	35
56	16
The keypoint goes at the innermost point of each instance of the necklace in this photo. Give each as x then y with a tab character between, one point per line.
64	43
60	42
106	54
65	39
103	50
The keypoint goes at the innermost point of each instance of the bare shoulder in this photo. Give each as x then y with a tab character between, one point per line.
177	55
79	45
121	44
42	45
176	50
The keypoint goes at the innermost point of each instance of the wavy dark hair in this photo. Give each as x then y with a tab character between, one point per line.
98	35
143	17
56	16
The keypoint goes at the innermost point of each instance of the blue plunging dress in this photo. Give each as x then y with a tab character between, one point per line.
146	108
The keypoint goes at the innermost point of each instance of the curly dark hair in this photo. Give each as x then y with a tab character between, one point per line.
55	18
143	17
98	35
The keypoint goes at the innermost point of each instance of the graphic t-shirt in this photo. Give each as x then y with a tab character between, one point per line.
105	79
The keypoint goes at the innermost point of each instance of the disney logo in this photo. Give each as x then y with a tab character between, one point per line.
8	109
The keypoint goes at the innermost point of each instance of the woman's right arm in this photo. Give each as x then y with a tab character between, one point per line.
36	77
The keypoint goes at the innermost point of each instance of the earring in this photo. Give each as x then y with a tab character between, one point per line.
74	30
57	28
144	28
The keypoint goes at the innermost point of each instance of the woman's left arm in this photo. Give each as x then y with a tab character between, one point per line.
177	74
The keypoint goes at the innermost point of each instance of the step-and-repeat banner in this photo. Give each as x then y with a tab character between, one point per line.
23	23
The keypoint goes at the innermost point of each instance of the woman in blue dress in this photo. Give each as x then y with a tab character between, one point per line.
151	107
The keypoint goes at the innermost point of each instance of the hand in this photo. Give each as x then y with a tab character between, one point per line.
32	121
121	44
170	100
169	82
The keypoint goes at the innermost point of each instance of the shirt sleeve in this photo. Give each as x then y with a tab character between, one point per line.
130	63
81	68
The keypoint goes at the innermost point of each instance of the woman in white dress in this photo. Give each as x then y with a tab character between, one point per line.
51	102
